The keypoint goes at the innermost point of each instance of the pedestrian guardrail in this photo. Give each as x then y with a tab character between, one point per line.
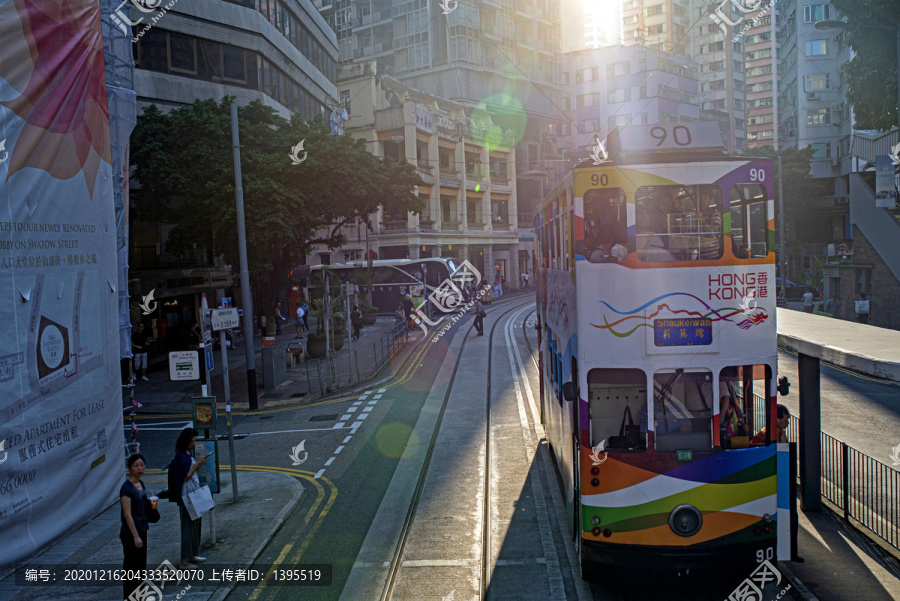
347	367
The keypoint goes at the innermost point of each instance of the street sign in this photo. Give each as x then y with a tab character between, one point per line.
184	365
206	337
208	351
223	319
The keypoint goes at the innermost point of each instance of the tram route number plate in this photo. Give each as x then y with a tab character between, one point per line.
682	331
686	455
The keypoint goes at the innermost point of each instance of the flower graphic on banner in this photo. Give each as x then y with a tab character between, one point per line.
62	97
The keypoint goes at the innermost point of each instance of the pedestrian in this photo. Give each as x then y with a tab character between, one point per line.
135	524
262	325
183	468
299	319
278	319
833	306
140	342
479	316
356	322
862	308
496	288
807	299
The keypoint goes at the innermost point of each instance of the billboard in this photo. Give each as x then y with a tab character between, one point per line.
884	182
60	387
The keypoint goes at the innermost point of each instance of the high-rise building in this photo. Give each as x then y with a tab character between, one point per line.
659	24
500	54
761	63
813	113
618	86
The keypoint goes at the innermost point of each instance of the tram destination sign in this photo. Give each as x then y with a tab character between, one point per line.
682	331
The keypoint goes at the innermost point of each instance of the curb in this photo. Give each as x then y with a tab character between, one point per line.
798	589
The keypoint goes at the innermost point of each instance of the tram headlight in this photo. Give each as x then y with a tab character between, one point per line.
685	520
595	520
767	518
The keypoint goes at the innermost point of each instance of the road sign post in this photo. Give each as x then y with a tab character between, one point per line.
223	319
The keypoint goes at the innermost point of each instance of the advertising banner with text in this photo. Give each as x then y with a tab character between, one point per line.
61	437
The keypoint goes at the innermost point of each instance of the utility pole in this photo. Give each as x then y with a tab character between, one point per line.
782	260
246	298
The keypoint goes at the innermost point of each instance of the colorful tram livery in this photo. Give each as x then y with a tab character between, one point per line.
656	298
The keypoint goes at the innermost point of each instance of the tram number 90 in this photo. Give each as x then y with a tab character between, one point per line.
757	175
764	554
601	179
680	135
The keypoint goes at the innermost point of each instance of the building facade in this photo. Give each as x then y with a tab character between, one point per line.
468	167
761	75
281	52
618	86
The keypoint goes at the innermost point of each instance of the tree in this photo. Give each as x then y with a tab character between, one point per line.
873	71
183	163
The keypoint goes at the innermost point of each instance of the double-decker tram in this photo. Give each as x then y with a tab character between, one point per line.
656	308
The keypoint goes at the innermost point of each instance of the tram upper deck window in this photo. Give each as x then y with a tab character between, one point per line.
683	410
679	223
748	221
617	398
605	226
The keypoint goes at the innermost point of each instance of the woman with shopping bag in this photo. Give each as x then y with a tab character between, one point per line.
182	481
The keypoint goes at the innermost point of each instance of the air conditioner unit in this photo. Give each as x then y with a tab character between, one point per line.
812	96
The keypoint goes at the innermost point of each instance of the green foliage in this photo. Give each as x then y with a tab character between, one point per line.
798	184
873	71
183	162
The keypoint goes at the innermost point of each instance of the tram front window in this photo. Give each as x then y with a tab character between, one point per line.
679	223
683	410
605	226
617	398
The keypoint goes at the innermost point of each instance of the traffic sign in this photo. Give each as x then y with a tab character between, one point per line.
184	365
206	338
207	350
223	319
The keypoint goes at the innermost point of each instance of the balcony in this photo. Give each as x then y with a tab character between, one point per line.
394	226
450	226
426	225
449	171
499	179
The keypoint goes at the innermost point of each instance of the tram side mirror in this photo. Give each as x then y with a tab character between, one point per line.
568	390
783	386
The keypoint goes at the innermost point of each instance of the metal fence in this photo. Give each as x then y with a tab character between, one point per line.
863	487
347	367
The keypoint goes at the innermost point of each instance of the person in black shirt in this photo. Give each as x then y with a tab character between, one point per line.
135	524
140	342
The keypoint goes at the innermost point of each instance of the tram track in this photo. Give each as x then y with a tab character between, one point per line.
484	570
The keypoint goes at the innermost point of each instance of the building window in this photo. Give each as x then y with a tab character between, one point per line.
645	119
659	9
817	48
816	12
818	116
821	150
820	81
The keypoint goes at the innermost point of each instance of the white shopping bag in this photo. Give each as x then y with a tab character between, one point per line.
197	499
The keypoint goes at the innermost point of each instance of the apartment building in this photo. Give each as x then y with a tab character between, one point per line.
813	113
468	168
281	52
761	75
503	54
618	86
659	24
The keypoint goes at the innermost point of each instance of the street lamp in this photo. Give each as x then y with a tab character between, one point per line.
835	24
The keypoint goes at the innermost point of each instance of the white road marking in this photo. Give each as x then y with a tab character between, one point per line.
338	450
327	463
346	440
382	390
338	425
366	409
319	473
348	416
362	416
335	427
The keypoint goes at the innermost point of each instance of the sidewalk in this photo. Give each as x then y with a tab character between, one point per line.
266	501
161	396
841	564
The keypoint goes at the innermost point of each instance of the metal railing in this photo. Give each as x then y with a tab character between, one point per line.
345	368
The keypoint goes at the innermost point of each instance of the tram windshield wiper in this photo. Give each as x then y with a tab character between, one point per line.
664	393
